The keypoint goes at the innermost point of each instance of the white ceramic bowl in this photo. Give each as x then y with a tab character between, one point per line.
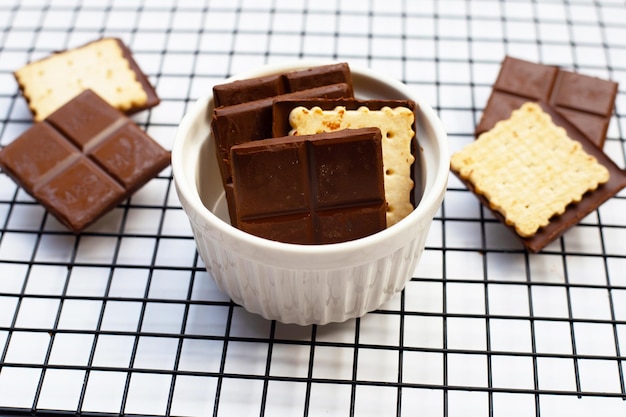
307	284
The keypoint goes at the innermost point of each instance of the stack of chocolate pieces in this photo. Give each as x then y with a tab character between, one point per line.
580	104
309	189
243	109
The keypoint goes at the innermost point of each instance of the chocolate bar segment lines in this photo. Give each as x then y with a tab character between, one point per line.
250	121
586	102
83	160
311	189
258	88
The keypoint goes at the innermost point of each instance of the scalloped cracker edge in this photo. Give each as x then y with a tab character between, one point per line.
49	83
396	126
529	169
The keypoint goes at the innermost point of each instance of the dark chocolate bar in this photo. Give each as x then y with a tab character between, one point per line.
317	76
258	88
586	102
311	189
575	211
83	160
282	108
252	120
252	89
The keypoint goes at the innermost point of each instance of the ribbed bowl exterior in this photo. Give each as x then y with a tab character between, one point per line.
306	297
306	284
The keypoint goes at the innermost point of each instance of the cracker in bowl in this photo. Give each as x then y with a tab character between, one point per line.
528	169
396	126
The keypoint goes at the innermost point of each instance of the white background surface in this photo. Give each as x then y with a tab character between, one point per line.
124	319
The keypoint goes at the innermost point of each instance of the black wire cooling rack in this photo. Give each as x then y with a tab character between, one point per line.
124	319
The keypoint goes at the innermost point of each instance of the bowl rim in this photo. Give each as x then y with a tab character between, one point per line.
429	203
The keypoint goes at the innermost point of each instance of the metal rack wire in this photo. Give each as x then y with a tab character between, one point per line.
124	319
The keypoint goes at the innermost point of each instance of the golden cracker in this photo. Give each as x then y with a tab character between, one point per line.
49	83
528	169
396	126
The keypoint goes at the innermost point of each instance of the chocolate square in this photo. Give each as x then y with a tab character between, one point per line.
83	160
311	189
79	193
586	102
526	79
243	91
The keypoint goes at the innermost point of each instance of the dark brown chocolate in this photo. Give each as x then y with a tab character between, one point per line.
576	211
317	76
252	120
243	109
586	102
282	108
243	91
311	189
83	160
258	88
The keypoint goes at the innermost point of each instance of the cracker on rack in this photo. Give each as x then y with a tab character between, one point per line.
528	169
396	126
100	65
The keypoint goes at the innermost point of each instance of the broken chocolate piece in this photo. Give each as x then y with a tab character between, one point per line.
83	160
585	101
311	189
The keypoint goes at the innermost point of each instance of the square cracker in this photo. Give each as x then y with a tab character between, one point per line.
104	66
529	169
396	126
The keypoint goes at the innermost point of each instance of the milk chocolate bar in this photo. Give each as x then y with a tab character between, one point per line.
311	189
252	120
242	91
243	108
586	102
575	211
282	108
83	160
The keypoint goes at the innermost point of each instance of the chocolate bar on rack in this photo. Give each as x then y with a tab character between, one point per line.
311	189
83	160
585	101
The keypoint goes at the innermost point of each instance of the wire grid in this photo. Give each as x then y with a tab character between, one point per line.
124	319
